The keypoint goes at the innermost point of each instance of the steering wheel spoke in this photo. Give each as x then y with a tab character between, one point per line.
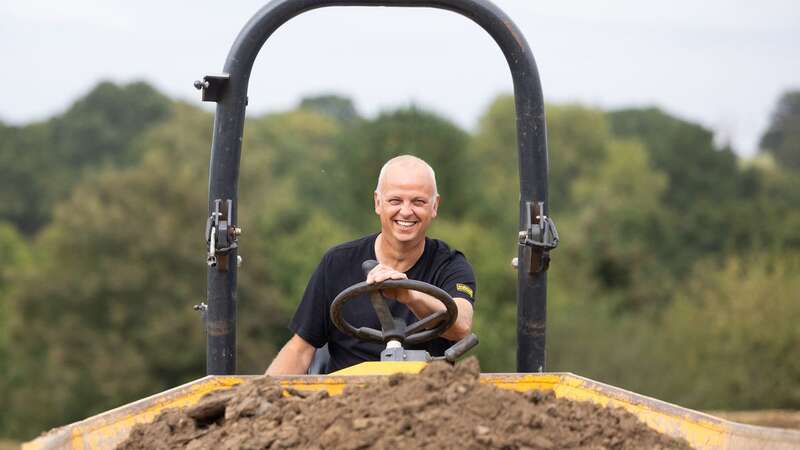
381	306
426	323
369	334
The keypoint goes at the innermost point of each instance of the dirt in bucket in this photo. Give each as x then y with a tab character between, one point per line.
444	407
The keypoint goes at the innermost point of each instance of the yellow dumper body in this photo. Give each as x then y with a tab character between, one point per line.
702	431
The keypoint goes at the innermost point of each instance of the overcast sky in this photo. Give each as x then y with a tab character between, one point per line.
721	63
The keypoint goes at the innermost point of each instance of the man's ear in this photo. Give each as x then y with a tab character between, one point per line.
376	197
436	205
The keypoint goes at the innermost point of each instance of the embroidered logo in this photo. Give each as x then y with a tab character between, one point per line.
460	287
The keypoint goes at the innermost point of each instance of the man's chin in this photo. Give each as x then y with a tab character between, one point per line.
406	235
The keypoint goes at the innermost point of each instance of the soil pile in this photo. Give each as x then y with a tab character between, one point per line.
442	408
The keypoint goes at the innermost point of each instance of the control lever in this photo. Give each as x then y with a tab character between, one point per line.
458	349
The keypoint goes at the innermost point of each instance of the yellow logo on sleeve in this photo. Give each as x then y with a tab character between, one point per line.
460	287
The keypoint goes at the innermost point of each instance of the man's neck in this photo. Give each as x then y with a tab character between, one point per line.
400	256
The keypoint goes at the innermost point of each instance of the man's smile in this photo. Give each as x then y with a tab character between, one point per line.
405	223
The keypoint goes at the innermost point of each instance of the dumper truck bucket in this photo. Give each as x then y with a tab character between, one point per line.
701	431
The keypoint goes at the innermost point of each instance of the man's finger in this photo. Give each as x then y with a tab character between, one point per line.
372	273
382	273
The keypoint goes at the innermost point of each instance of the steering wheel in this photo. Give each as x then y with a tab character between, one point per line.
393	328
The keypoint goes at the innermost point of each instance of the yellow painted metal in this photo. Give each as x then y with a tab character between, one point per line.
702	431
382	368
106	430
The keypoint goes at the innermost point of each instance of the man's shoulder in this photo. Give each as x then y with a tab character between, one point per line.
350	248
443	252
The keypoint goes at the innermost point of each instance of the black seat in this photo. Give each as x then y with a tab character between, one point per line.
320	362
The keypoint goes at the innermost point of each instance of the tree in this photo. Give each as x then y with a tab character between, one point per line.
16	260
116	276
495	169
684	151
39	163
745	314
782	138
334	106
618	225
706	190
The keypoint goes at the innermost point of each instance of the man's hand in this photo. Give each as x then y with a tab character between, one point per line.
422	305
381	273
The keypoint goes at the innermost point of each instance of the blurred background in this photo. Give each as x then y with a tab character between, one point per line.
674	138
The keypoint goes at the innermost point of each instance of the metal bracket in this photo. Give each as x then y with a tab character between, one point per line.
202	308
539	237
401	354
221	235
212	86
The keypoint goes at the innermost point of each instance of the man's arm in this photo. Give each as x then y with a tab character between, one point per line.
423	305
293	359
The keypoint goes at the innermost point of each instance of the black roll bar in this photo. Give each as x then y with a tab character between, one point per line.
229	90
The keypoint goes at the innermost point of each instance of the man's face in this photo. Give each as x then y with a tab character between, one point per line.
406	202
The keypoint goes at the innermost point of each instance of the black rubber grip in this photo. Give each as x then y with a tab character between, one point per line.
461	347
368	265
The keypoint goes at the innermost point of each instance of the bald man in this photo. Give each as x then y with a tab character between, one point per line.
406	201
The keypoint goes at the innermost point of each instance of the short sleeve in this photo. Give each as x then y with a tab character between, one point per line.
458	278
310	319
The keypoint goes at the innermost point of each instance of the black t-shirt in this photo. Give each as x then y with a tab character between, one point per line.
341	267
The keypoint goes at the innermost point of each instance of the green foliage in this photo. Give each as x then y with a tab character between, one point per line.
706	191
618	224
495	169
490	255
674	255
116	258
16	260
734	331
39	163
579	140
106	316
334	106
684	151
782	138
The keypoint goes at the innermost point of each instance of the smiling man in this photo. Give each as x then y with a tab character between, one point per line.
406	201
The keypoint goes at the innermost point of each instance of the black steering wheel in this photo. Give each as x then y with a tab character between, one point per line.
393	328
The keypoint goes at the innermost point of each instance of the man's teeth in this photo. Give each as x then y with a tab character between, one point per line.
404	223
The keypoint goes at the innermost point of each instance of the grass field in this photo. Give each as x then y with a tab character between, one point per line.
765	418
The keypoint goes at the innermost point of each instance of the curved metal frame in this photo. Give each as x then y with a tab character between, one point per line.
231	96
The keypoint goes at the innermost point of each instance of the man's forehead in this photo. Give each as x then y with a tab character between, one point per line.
407	176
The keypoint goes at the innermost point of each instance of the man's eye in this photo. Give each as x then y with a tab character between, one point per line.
394	202
419	202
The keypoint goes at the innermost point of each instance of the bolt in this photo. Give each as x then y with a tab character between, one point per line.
237	231
200	84
515	262
238	260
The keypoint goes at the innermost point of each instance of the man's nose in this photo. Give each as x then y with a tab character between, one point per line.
405	209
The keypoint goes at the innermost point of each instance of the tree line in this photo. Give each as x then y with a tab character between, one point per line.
676	277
